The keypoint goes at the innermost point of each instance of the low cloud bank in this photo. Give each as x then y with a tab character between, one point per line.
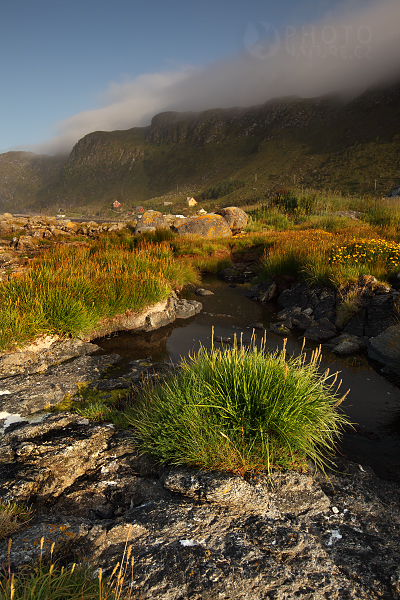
345	53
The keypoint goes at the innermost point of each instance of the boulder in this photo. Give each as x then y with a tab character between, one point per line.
204	292
263	292
235	217
151	218
25	243
394	192
385	348
208	226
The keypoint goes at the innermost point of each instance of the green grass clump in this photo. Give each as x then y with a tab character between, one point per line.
241	410
269	218
384	214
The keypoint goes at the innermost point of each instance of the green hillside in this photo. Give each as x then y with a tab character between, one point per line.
322	142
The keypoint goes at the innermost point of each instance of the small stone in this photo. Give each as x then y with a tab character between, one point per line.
204	292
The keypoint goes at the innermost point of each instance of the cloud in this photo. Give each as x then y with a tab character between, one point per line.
349	50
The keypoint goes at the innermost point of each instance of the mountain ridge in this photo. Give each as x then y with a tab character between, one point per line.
316	142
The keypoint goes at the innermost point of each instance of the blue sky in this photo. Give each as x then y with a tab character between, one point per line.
69	66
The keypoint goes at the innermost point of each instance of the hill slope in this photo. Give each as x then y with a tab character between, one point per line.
319	142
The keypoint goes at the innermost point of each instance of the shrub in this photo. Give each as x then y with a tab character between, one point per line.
241	410
221	189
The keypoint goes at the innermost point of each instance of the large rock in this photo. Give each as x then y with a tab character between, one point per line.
208	226
385	348
235	217
151	219
25	243
394	192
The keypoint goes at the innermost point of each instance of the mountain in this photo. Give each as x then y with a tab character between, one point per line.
349	146
25	176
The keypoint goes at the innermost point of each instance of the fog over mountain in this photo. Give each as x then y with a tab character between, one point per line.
347	52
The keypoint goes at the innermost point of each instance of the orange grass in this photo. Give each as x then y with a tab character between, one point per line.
70	290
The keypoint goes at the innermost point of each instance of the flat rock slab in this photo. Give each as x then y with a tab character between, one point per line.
28	394
29	362
294	493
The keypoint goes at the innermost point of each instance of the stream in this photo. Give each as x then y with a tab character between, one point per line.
373	403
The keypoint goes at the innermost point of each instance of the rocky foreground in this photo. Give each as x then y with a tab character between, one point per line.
194	534
197	535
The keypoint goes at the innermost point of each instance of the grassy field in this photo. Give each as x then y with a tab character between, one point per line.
69	291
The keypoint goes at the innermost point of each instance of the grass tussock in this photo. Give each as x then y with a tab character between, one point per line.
68	291
241	410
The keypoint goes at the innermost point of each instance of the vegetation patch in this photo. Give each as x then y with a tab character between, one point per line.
241	410
47	580
13	516
70	290
223	188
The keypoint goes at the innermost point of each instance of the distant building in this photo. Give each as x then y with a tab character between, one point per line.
116	204
139	209
167	203
190	201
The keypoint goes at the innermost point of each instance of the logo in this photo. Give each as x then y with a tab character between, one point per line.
262	40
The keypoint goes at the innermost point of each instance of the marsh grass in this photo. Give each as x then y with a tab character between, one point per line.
385	213
68	291
241	410
330	258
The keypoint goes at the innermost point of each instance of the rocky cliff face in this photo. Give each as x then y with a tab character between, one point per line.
324	141
24	176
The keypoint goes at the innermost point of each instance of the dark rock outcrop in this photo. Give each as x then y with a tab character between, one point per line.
316	310
385	348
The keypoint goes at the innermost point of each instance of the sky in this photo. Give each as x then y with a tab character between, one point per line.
70	68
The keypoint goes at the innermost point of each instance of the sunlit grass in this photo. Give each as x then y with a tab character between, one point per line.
13	516
241	410
68	291
46	580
